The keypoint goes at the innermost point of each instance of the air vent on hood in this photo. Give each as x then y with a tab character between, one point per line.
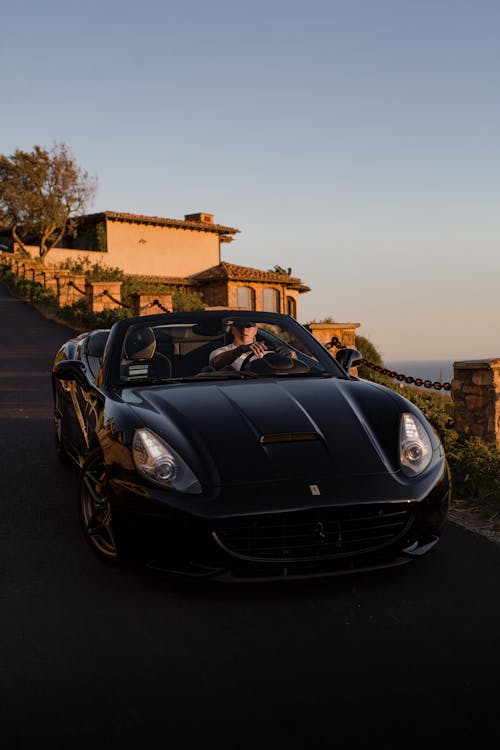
288	437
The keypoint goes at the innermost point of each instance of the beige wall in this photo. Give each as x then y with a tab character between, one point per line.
149	249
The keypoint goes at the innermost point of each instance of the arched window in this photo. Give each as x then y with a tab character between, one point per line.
245	297
291	307
270	300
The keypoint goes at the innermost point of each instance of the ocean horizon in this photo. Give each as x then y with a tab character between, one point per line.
429	369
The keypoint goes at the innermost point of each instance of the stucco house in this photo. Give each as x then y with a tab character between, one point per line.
182	253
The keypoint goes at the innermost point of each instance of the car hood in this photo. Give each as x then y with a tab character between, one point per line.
268	430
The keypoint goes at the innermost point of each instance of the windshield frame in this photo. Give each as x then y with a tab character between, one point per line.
109	373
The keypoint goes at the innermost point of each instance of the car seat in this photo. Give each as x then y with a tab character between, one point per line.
140	358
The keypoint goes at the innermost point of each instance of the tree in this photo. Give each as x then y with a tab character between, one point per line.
41	194
279	269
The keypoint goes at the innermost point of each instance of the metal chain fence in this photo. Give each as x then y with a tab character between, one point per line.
105	292
437	385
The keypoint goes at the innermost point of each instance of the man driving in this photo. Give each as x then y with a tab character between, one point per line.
243	347
244	343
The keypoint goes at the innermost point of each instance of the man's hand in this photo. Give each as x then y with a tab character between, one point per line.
258	348
284	351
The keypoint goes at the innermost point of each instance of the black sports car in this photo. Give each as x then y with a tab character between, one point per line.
232	444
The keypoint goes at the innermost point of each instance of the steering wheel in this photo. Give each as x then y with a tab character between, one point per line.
246	362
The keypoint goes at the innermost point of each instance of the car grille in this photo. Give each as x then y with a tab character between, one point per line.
328	533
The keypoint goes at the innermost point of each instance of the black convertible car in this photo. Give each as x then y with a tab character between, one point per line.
232	444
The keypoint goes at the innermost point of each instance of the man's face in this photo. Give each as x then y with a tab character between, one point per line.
244	335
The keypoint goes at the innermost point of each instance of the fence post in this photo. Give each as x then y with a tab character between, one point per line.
475	391
61	277
50	279
72	289
103	295
39	274
345	332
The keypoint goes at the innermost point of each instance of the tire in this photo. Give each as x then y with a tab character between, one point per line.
94	509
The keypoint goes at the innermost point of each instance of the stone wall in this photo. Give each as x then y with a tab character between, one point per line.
345	332
475	391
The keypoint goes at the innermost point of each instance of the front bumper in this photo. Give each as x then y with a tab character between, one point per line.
298	543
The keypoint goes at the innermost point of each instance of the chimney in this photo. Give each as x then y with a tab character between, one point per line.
201	218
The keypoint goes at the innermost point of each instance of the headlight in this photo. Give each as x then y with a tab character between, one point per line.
159	463
415	449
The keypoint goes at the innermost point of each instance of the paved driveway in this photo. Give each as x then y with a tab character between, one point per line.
92	657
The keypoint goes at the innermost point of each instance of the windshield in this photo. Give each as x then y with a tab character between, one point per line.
212	347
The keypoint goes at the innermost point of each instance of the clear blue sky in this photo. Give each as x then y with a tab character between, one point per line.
356	141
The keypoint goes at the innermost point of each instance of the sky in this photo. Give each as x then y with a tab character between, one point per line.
356	142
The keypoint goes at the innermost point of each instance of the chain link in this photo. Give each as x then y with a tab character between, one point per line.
122	304
72	283
162	307
113	299
437	385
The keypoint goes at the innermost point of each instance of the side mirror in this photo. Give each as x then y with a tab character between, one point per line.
348	358
70	369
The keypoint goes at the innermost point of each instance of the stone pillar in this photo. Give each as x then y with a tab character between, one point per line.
103	295
45	274
27	269
151	303
72	289
475	390
50	279
61	277
345	332
11	260
39	274
32	270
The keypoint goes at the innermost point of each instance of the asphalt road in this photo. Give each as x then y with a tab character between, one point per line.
93	657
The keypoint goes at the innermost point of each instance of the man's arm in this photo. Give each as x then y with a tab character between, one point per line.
225	358
218	360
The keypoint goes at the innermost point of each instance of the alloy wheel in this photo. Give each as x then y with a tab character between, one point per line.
95	508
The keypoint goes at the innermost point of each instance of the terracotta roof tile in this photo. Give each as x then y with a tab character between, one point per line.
159	221
175	280
233	272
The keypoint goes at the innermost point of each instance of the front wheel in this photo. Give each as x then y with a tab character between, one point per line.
94	509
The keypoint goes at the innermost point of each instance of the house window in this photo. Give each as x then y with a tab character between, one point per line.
270	300
291	307
245	297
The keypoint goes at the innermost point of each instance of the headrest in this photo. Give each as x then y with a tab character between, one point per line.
140	343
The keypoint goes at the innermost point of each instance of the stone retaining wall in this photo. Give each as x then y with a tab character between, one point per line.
475	390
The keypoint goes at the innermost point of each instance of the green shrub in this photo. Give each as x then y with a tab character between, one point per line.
475	467
371	354
80	316
186	301
96	271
